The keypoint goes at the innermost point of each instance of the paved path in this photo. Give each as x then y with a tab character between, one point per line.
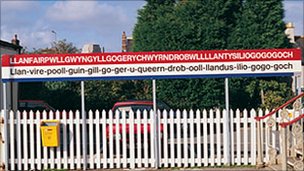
194	169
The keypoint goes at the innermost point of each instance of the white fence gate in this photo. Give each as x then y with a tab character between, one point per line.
186	139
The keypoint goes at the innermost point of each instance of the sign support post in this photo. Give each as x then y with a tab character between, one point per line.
156	137
227	125
84	122
5	127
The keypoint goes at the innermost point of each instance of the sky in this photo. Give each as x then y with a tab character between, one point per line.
39	23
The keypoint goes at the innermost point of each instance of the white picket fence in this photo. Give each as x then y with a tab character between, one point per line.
186	139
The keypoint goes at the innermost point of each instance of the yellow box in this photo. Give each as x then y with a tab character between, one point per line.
50	133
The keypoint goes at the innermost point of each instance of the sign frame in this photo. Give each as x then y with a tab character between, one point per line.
151	65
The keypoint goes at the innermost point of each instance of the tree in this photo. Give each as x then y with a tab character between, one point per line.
103	94
204	25
99	94
146	32
273	93
61	46
186	25
52	91
260	26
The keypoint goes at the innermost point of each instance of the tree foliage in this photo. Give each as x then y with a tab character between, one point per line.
57	47
103	94
186	25
146	32
260	26
221	24
66	94
272	93
173	25
60	94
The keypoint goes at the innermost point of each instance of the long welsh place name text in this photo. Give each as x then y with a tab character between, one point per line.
95	70
121	58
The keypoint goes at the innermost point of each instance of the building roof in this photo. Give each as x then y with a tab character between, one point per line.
10	45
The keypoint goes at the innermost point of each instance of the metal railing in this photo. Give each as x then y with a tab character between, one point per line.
292	143
288	128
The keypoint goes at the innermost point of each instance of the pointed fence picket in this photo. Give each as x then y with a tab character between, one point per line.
127	140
